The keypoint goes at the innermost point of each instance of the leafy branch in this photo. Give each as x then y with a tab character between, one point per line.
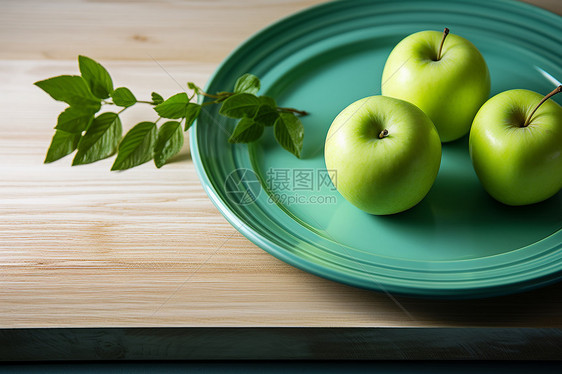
95	136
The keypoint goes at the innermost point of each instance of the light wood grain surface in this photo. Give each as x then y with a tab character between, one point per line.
83	246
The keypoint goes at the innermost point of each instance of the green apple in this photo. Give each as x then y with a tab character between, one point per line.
385	152
446	77
516	147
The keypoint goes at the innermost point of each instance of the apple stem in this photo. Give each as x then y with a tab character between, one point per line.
445	33
554	92
383	134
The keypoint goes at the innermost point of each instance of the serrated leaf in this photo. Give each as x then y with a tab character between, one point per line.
62	144
191	114
101	139
73	120
267	100
122	96
137	146
240	105
289	132
247	130
71	89
96	76
156	98
168	142
266	115
174	107
247	83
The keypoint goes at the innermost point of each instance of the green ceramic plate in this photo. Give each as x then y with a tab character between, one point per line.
457	242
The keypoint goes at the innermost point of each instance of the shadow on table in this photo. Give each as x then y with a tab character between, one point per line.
537	308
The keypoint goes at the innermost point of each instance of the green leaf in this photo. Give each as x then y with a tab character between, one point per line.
222	96
247	83
136	147
174	107
71	89
191	114
101	139
96	76
289	132
122	96
168	143
267	100
73	120
156	98
194	87
247	130
240	105
63	143
266	115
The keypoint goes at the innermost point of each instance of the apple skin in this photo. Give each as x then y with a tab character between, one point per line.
518	165
388	175
450	91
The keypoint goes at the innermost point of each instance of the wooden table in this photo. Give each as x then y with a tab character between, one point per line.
85	247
